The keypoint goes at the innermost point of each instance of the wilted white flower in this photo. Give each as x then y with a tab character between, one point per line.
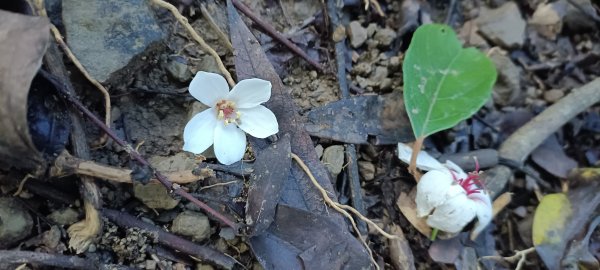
447	196
231	113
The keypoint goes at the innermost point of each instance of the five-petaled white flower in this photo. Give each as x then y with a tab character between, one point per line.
231	113
454	196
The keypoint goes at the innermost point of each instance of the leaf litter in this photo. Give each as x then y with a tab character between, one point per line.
296	228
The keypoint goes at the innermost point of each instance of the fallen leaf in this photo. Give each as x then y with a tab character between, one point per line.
408	207
551	157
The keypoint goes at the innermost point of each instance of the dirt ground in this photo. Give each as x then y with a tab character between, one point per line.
542	53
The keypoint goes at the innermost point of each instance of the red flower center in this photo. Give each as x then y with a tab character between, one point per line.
471	184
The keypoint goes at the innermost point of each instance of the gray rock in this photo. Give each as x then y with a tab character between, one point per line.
385	36
319	150
106	35
553	95
191	224
508	86
366	170
362	69
177	67
15	222
154	195
503	25
333	159
357	34
65	216
379	74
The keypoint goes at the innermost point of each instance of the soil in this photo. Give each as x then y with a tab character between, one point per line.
151	107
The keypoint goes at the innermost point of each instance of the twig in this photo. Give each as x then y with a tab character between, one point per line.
84	232
376	6
58	37
527	138
216	28
197	38
412	167
519	257
217	185
66	164
271	31
174	188
451	7
53	260
173	241
341	208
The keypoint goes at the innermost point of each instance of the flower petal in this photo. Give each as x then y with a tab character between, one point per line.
483	210
250	93
431	190
199	132
424	160
230	143
259	122
453	215
209	88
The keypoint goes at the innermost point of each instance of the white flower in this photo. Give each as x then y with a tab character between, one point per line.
454	196
231	113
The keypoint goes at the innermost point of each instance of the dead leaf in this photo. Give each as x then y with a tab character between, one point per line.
400	253
23	42
352	120
408	207
551	156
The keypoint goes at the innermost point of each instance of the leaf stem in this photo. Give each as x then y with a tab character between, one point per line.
412	167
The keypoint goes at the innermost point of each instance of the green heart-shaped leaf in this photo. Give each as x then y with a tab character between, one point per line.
443	83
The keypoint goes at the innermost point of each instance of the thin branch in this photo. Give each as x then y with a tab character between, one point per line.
66	164
59	39
216	28
174	188
271	31
519	257
53	260
197	38
171	240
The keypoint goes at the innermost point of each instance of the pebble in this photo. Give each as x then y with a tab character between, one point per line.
357	34
319	150
16	223
385	36
503	25
333	159
362	69
367	170
508	85
100	37
191	224
65	216
154	195
177	68
553	95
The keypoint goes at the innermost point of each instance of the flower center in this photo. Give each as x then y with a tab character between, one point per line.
226	111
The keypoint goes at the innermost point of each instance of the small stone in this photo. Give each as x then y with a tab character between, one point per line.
16	223
154	195
65	216
520	211
204	267
508	86
227	233
386	84
150	265
553	95
362	69
503	25
208	64
395	63
191	224
106	35
179	162
312	74
357	34
385	36
379	74
367	170
221	245
547	18
242	248
371	28
177	68
257	266
319	150
339	34
333	159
